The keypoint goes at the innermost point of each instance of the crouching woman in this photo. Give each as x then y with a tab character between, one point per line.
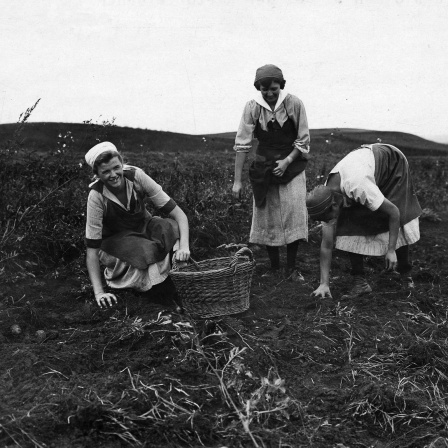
133	246
368	207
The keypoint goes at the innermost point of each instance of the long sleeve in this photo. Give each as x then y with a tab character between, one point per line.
298	114
244	135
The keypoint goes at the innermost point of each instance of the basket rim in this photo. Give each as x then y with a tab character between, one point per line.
198	273
179	270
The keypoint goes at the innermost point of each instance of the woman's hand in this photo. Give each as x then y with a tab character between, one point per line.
93	267
182	254
105	299
391	260
280	169
237	189
323	292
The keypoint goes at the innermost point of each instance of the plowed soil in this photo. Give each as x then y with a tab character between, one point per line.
367	372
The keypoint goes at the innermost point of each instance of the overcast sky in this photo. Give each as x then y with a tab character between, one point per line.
188	66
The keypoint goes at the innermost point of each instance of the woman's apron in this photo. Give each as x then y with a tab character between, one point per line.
274	144
135	236
393	178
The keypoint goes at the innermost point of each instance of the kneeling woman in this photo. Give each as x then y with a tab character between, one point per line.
121	234
369	207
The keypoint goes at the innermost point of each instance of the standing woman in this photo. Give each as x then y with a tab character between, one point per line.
277	174
121	234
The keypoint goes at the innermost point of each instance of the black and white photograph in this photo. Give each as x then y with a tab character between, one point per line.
223	224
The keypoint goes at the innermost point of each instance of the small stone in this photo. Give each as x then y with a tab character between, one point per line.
15	329
41	335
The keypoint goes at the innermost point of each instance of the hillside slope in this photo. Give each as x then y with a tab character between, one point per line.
345	139
47	136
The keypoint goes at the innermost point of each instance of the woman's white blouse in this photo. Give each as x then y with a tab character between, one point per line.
258	110
357	171
97	202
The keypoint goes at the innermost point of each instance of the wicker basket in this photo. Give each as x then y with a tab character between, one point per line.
215	287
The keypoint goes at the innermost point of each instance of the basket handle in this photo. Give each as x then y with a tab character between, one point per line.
244	251
195	263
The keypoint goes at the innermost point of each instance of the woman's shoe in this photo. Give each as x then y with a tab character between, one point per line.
360	288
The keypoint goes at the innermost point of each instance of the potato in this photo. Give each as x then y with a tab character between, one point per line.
15	329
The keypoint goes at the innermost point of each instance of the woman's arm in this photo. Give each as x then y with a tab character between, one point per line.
164	203
240	159
183	253
94	230
394	225
302	142
93	268
243	144
326	252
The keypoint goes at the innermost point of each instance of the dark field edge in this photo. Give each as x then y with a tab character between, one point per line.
42	136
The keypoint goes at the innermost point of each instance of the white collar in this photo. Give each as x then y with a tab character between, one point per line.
261	101
109	195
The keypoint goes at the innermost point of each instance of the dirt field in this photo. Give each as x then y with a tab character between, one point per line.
294	370
291	371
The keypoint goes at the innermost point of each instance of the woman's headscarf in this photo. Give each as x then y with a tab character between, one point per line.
319	200
268	71
98	149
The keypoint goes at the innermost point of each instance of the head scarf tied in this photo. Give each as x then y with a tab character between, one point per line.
319	200
98	149
268	71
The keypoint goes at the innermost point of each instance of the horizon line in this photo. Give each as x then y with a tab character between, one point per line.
441	138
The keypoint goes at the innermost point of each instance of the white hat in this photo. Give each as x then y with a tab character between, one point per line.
98	149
